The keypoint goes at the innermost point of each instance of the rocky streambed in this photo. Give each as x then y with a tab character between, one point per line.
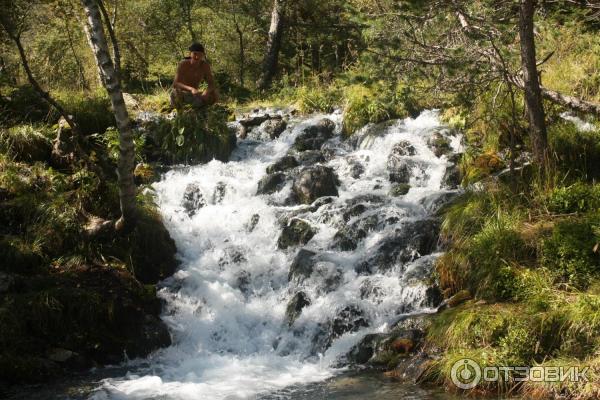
306	254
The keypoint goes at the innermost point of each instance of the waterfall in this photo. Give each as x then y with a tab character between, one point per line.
250	313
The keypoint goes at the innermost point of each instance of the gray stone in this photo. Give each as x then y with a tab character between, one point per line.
295	307
271	183
193	200
315	182
296	232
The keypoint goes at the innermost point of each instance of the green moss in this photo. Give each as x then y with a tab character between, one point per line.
577	154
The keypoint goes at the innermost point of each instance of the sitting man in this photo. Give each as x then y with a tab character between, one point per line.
190	73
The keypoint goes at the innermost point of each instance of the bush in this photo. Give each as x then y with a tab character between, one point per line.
570	251
577	153
26	143
195	136
92	112
578	197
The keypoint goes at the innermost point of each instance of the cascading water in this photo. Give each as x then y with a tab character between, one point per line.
251	313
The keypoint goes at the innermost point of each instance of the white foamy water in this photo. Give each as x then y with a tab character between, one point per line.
226	306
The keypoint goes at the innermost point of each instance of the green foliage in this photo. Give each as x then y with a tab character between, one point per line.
577	153
570	251
195	136
578	197
26	143
372	104
92	112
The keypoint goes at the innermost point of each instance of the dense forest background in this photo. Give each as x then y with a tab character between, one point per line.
521	79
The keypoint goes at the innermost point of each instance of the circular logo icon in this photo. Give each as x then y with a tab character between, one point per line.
466	373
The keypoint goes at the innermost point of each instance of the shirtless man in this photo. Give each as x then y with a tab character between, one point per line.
190	72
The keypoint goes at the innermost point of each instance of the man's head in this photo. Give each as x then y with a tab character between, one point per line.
196	52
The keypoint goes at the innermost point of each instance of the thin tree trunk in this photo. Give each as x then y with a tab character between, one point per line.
113	37
186	10
242	50
533	95
43	94
88	35
269	67
82	79
125	165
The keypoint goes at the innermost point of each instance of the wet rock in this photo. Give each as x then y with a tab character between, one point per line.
302	266
365	138
315	182
153	334
434	203
193	200
403	148
368	290
219	193
251	122
252	223
399	169
296	232
439	144
356	170
242	281
273	128
365	198
348	237
271	183
354	211
295	306
411	241
349	319
233	255
311	157
313	137
283	164
452	177
433	297
400	189
364	350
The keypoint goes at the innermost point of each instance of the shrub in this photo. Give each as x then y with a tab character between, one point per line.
195	136
578	197
577	153
26	143
92	112
570	252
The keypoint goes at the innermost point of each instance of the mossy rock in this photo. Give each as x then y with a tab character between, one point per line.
152	249
297	232
400	189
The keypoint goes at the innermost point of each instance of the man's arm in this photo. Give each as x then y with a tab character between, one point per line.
211	92
178	84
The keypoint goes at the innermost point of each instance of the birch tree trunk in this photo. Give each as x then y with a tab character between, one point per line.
533	93
125	165
269	67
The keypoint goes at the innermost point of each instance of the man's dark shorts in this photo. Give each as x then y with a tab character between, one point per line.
180	98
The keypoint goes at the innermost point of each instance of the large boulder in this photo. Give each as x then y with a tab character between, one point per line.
311	157
313	137
365	138
296	232
271	183
452	176
315	182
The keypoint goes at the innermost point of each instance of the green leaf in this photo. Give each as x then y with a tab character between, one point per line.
180	140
